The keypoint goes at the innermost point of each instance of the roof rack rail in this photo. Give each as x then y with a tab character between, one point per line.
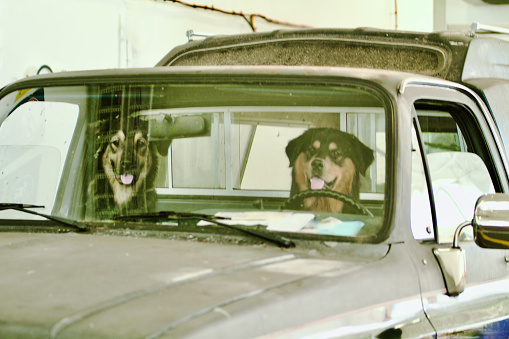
477	27
190	34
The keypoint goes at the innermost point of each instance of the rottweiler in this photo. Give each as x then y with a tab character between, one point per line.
327	159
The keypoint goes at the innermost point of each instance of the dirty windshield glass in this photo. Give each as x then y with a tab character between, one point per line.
296	158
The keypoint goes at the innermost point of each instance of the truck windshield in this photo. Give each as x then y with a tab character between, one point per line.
284	157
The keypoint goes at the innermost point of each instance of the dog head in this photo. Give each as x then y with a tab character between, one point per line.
128	160
327	159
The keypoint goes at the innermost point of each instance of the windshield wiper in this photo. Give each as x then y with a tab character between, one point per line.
24	208
184	216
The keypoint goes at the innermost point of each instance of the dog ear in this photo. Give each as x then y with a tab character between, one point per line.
294	148
96	133
364	156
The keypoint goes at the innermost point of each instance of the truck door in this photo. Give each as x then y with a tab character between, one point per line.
455	159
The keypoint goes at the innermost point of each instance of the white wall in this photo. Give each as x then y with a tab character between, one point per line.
89	34
62	34
461	13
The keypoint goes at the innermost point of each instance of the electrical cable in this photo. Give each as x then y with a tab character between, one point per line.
248	17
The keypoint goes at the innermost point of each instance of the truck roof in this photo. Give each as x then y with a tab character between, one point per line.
455	56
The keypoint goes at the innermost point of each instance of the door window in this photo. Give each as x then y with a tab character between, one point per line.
453	167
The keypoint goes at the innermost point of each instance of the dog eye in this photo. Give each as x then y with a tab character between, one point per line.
114	144
141	145
335	154
311	151
337	157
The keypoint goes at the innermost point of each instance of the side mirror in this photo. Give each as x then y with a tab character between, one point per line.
491	221
491	230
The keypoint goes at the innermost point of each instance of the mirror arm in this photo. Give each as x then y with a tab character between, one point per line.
457	233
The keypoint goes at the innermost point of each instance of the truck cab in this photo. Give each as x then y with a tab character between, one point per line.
291	184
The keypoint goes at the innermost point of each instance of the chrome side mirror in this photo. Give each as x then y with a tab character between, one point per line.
491	230
491	221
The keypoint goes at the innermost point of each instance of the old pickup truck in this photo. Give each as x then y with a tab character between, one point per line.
291	184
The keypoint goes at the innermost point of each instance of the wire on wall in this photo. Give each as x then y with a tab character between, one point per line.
248	17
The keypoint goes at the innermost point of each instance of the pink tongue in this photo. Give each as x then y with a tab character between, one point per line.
126	179
317	183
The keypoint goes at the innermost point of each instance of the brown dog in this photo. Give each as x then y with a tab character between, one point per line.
327	159
125	182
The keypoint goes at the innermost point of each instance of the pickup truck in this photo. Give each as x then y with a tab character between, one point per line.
293	184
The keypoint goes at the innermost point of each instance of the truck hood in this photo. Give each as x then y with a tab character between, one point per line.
74	285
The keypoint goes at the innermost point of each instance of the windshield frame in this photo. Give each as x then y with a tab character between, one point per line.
244	75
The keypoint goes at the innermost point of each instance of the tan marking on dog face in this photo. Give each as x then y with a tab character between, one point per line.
115	148
301	173
345	175
141	149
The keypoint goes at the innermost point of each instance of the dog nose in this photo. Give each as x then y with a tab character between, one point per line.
125	165
317	165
